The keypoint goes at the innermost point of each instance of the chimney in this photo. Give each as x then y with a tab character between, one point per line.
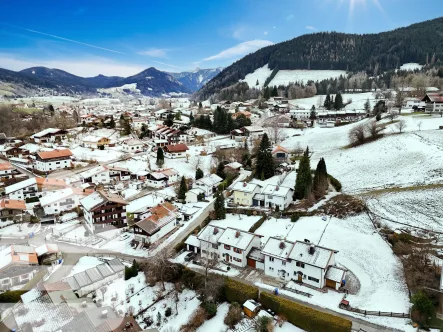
276	188
215	231
282	245
244	184
105	313
311	249
237	234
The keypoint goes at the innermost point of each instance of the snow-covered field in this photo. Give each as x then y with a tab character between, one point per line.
260	75
411	66
284	77
239	221
358	100
81	153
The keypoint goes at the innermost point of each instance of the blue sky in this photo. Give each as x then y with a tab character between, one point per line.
124	37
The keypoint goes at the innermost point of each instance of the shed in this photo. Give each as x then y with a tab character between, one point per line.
251	308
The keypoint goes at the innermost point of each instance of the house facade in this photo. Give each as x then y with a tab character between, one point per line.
49	135
97	175
434	102
132	145
209	184
161	178
48	161
60	201
275	196
22	190
235	245
96	142
243	193
175	151
10	208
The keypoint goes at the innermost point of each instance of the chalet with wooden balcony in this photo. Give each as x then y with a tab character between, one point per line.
103	208
49	135
9	208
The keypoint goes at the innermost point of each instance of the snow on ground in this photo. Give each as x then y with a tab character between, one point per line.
260	74
216	323
410	207
240	221
274	227
284	77
124	246
81	153
411	66
19	230
77	233
84	263
358	100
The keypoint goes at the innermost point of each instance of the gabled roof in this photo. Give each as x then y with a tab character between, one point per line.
211	234
54	154
319	258
236	238
12	204
435	97
279	148
100	197
176	148
275	190
5	166
47	131
209	181
277	248
20	185
161	215
245	187
50	182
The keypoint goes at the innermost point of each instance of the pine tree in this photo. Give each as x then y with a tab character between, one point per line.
221	170
303	182
112	123
183	189
327	103
219	206
257	83
160	157
191	119
264	164
266	93
320	182
198	173
367	106
338	103
274	92
200	105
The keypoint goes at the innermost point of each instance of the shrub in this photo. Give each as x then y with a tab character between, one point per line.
210	308
197	320
234	315
168	312
334	182
236	291
11	296
264	324
295	217
304	317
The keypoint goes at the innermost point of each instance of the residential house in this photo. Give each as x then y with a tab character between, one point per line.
18	265
170	135
434	102
254	132
118	173
9	208
103	208
233	167
243	193
276	196
3	138
234	246
7	171
96	142
414	103
208	237
22	190
193	244
280	154
209	184
139	208
61	201
246	114
276	253
49	135
132	145
161	221
97	175
11	152
48	161
161	178
194	195
175	151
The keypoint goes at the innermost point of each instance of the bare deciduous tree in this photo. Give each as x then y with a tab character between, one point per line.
419	124
401	125
357	134
103	291
373	129
274	131
392	115
159	266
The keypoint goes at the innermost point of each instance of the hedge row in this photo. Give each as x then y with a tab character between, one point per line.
239	292
257	224
304	317
335	183
195	231
11	296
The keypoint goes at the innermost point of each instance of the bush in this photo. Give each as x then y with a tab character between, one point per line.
210	308
11	296
31	199
236	291
295	217
168	312
304	317
334	182
197	320
257	224
234	315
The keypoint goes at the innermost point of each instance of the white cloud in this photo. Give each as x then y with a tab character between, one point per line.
310	27
289	17
155	52
265	33
86	67
240	49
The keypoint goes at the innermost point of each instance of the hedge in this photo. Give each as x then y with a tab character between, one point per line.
181	245
257	224
306	318
235	291
335	183
11	296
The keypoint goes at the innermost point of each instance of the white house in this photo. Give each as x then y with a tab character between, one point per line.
60	201
48	161
193	194
277	196
276	252
243	193
22	190
132	145
7	171
97	175
208	184
235	245
161	178
175	151
49	135
208	238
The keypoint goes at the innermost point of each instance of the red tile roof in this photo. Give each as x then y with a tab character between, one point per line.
12	204
5	166
55	154
176	148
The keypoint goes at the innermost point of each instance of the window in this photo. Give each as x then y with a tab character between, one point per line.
227	247
313	279
283	263
238	251
214	246
237	259
300	264
271	259
270	196
271	268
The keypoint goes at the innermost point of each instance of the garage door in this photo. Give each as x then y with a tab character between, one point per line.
251	263
330	283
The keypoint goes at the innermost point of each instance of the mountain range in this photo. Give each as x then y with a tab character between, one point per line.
150	82
373	53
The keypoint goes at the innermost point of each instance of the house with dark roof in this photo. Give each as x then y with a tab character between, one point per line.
434	102
175	151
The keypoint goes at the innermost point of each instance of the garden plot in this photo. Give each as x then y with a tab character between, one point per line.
420	208
240	221
216	323
278	228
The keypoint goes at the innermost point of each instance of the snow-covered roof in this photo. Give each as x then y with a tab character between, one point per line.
192	240
254	128
236	238
335	274
20	185
93	171
56	196
209	181
46	132
245	187
277	248
99	197
46	248
132	142
274	190
234	165
320	256
211	234
92	138
251	305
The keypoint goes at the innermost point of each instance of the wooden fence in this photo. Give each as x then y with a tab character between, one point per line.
378	313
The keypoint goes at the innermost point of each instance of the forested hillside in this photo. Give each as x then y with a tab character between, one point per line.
372	53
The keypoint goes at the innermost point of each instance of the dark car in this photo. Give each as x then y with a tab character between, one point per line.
189	257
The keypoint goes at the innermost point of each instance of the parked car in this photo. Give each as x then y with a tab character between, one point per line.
189	257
